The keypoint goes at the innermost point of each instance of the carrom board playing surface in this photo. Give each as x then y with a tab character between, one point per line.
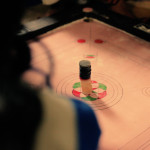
120	77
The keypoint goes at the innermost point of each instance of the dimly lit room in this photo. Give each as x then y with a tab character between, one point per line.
75	75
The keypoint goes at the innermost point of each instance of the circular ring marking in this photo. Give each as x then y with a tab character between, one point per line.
114	90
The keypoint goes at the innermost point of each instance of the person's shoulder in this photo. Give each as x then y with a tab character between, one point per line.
58	122
51	99
70	117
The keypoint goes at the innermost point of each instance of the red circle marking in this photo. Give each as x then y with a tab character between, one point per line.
99	41
81	41
102	95
94	81
90	56
76	93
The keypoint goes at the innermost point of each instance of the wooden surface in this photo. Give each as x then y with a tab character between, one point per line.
120	75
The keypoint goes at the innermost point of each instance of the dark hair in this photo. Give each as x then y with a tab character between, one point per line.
14	58
14	52
20	107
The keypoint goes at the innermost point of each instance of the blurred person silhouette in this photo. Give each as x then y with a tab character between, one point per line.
36	119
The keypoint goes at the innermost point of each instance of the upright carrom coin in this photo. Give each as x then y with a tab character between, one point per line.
106	91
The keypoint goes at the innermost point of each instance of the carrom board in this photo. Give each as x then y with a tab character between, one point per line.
120	77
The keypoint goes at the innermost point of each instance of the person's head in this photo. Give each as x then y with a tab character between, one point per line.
14	59
20	108
14	52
